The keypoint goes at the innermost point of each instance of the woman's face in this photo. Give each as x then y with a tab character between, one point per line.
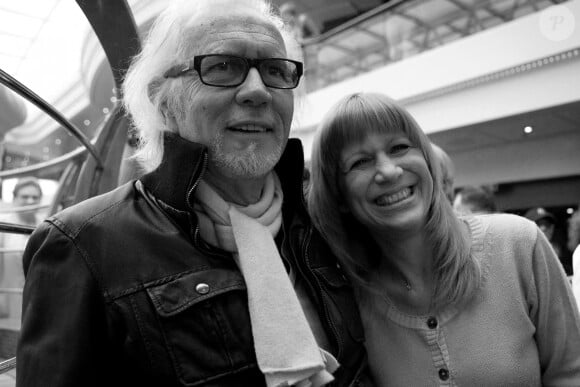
386	183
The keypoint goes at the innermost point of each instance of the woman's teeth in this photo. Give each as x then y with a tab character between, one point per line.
386	200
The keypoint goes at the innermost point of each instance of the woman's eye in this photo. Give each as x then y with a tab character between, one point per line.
360	163
400	148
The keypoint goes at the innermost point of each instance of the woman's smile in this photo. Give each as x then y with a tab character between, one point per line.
395	198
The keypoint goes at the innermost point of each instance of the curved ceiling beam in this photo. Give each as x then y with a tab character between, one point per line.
115	27
31	96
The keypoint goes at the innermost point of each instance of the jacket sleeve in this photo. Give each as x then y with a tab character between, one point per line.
63	336
556	318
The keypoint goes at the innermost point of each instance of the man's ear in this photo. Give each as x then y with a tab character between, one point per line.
153	88
169	118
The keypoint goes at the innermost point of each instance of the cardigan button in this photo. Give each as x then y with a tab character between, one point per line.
202	288
443	374
432	322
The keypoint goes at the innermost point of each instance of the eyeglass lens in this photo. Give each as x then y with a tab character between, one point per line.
225	70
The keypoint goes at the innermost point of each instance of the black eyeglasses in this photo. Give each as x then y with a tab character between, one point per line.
229	70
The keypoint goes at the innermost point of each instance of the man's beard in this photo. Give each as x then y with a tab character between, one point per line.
250	163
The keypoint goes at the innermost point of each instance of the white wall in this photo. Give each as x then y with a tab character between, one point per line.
520	41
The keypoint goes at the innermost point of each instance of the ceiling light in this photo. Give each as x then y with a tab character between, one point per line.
528	129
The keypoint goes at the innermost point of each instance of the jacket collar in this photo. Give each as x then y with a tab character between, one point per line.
183	165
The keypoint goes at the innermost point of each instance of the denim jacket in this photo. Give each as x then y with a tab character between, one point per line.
121	291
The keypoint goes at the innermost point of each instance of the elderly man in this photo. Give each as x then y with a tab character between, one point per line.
206	271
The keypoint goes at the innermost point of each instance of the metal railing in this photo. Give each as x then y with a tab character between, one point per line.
399	29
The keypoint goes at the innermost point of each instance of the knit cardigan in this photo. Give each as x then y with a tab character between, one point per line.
522	327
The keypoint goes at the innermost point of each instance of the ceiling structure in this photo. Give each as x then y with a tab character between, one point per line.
359	36
41	44
539	125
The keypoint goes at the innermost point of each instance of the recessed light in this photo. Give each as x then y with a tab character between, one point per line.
570	211
528	129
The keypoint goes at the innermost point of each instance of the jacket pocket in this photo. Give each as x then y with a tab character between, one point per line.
205	324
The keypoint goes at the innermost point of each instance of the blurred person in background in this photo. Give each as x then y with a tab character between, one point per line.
447	171
301	25
27	192
470	301
474	200
546	221
27	195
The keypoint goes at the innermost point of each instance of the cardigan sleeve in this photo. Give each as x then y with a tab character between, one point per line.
556	318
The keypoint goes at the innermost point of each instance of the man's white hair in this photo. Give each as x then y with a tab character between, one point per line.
145	90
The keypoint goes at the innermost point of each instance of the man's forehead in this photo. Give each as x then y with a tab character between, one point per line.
216	29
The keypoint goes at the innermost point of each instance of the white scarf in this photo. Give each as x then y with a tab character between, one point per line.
285	346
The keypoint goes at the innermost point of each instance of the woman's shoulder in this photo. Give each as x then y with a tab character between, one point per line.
507	225
501	231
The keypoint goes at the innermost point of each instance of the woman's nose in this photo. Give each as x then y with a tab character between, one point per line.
386	169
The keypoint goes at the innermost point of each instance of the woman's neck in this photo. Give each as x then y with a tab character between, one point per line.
407	261
411	252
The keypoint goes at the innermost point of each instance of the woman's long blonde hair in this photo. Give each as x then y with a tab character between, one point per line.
354	117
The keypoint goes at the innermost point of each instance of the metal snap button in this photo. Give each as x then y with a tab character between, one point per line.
202	288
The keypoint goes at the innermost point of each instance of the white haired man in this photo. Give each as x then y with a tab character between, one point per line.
206	271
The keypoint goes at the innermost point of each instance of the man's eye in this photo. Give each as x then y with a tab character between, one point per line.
278	71
275	70
221	66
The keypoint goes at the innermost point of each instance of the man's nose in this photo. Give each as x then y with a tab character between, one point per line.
386	168
253	91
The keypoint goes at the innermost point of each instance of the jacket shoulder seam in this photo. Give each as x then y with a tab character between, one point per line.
88	262
64	227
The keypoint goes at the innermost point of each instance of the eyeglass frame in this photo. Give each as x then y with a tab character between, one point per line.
195	65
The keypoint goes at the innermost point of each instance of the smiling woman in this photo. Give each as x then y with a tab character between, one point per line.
443	299
387	183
